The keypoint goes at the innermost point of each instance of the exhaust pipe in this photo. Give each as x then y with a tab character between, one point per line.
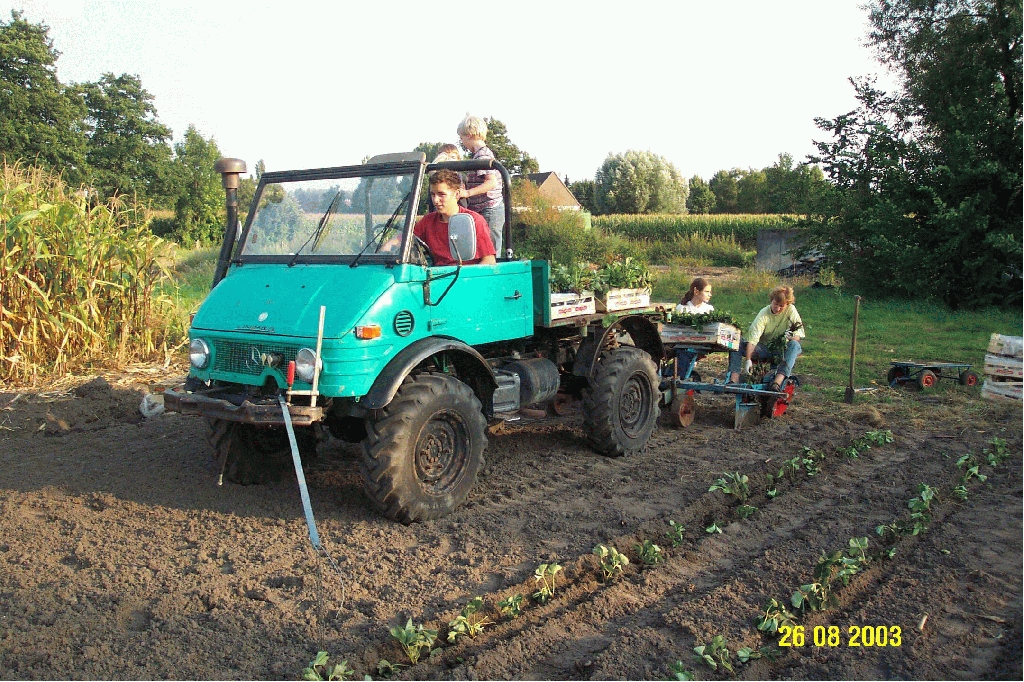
229	170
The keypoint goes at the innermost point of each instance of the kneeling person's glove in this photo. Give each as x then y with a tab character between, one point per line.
748	366
790	336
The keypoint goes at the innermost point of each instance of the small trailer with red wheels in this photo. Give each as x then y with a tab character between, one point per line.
927	374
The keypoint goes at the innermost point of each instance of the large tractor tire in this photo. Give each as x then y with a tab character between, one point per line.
255	455
620	407
424	450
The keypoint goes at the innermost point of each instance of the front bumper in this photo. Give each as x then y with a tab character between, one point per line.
177	400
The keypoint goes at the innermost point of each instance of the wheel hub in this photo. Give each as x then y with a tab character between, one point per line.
634	404
441	451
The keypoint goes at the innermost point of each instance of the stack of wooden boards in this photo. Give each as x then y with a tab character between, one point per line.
1004	368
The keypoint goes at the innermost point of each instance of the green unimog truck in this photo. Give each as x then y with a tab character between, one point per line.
325	297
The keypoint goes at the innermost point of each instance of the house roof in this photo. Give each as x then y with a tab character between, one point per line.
552	188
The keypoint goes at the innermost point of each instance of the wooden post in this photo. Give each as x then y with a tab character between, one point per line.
853	351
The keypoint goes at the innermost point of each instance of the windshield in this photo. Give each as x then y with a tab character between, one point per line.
330	217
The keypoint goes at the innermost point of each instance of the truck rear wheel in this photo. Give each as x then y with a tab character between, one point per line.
620	407
424	450
251	455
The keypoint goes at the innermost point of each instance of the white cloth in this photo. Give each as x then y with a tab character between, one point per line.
704	307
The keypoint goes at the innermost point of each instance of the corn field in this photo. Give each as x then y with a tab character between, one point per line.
666	226
78	281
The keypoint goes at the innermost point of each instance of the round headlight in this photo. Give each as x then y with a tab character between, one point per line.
307	364
198	353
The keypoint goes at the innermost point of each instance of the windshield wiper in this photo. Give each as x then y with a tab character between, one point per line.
379	237
315	237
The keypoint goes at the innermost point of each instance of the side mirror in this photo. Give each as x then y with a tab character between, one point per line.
462	237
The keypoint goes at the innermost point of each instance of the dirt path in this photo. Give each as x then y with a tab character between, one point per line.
121	559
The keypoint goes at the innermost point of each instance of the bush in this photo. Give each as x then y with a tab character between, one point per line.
78	281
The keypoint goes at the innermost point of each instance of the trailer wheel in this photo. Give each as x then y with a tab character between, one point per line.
620	405
894	375
683	409
424	450
968	378
256	455
926	379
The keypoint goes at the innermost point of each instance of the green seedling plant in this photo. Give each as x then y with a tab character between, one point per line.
790	468
818	595
920	510
746	654
611	561
713	528
545	575
680	673
960	493
413	639
810	459
773	490
319	669
714	654
649	553
675	533
470	622
745	511
998	452
879	437
737	485
386	668
511	607
888	529
971	466
858	549
774	615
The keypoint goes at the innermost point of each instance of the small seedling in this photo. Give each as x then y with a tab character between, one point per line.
319	669
789	468
772	493
713	528
889	553
960	493
858	549
511	607
810	459
879	437
649	553
545	575
611	560
675	533
889	528
680	673
469	622
386	668
745	511
746	654
414	638
998	452
714	654
774	615
736	484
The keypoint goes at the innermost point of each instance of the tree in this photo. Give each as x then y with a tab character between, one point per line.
41	121
752	192
792	188
639	182
515	160
199	207
701	199
724	184
127	149
927	179
583	190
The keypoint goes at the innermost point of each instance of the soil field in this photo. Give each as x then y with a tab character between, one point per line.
120	558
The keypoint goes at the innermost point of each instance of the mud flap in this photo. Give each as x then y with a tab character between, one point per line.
747	413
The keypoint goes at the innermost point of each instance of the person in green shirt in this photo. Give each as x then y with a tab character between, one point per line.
778	319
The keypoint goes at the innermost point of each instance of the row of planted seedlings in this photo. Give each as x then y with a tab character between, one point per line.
810	463
836	569
775	618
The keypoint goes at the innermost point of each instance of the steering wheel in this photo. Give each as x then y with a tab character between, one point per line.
421	253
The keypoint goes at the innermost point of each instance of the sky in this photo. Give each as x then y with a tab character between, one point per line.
708	85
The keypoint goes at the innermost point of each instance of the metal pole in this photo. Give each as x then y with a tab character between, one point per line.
848	399
229	170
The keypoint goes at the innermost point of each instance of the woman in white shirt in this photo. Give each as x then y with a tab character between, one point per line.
696	300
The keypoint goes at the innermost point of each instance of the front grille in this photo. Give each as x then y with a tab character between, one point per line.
250	357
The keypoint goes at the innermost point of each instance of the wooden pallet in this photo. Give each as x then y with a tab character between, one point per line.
1004	369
